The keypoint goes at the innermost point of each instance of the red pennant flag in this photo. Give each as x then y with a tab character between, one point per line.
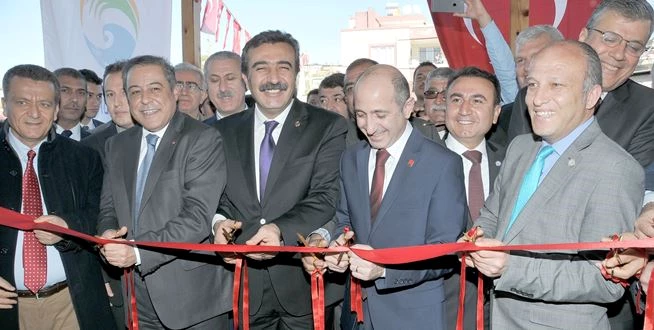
247	36
211	18
229	20
236	45
567	16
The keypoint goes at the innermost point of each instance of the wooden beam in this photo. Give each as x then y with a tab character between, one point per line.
191	31
519	19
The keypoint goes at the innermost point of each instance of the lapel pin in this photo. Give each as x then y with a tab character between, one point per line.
498	163
173	142
410	163
297	123
571	162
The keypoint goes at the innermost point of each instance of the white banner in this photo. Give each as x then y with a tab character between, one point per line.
90	34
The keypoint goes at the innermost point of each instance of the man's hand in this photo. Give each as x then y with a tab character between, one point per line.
645	222
220	229
7	295
489	263
46	237
475	10
644	277
267	235
119	255
627	263
363	269
312	261
339	262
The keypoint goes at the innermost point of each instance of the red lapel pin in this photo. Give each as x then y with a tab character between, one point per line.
410	163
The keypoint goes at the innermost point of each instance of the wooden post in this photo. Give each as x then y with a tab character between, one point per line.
519	19
191	31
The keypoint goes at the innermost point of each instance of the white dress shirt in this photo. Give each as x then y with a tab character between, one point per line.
76	130
456	146
395	151
56	272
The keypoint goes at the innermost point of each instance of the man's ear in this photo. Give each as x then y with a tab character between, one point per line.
407	109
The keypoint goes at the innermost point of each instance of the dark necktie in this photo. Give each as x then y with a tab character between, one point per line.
35	258
142	175
475	184
266	152
86	128
377	188
529	184
67	133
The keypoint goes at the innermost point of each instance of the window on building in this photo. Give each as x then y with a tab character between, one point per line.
430	54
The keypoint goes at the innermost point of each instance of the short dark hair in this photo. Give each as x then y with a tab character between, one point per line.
270	37
90	76
332	81
423	64
115	67
475	72
69	72
33	72
312	92
361	61
634	10
168	70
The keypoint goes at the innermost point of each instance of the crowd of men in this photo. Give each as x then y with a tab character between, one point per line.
557	146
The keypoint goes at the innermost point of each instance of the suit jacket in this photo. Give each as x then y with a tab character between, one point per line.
71	179
594	190
495	154
626	115
180	196
423	204
301	192
427	129
99	136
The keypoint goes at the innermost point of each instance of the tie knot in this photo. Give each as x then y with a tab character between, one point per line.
473	155
270	126
545	152
67	133
382	156
30	155
152	139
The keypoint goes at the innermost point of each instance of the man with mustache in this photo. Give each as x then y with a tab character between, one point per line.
192	91
225	84
282	157
71	104
433	126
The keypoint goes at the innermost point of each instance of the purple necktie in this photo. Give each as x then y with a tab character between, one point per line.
266	155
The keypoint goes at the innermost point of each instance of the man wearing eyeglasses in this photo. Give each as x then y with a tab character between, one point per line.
434	95
72	87
192	92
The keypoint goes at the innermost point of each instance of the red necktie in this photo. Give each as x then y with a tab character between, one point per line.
35	259
475	185
377	189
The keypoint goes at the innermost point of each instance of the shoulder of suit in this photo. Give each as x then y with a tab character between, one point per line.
636	94
608	151
71	148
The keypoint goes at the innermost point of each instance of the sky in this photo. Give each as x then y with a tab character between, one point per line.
315	24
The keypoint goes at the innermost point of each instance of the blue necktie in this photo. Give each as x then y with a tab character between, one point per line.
529	183
143	175
266	153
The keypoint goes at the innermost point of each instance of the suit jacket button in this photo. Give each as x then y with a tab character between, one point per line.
262	221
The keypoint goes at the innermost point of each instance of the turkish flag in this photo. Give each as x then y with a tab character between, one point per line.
236	43
464	45
211	18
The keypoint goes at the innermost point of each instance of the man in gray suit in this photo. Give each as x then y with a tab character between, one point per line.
572	185
393	195
161	184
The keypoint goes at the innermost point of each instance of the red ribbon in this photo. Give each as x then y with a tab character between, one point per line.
318	300
132	314
649	305
356	298
388	256
241	270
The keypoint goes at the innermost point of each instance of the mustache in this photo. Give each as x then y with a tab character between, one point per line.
270	86
225	94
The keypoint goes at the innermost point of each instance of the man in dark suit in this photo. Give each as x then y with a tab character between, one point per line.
121	120
393	195
72	103
352	74
282	159
626	110
93	100
572	185
61	287
473	105
162	181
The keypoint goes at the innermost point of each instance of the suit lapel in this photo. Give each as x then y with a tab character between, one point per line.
294	126
162	156
562	171
494	162
363	157
245	142
410	155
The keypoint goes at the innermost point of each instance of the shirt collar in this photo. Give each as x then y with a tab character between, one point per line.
395	150
260	119
453	144
21	148
160	133
562	145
